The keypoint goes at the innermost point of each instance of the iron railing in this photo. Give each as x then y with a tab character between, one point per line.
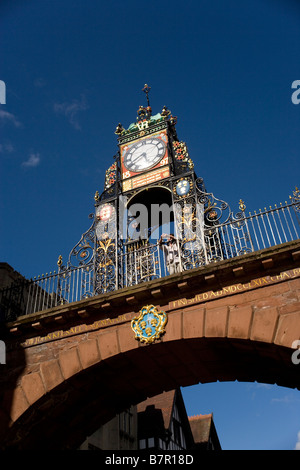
142	262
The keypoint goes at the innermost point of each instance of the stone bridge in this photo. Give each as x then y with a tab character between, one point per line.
72	368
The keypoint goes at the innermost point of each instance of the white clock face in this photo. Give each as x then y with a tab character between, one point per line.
144	154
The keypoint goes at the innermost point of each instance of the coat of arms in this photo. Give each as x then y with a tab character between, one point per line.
149	325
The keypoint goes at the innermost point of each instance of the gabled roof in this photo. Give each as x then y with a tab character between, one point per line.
204	432
201	427
164	402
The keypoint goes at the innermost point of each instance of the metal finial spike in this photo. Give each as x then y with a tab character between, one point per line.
146	90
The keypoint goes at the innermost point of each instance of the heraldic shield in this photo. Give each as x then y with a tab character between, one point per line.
149	325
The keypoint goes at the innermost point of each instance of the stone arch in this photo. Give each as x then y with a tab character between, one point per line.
238	320
86	384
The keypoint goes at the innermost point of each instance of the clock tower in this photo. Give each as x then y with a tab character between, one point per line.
149	219
151	188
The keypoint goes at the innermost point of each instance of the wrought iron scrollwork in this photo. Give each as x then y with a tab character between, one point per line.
106	249
296	199
226	234
141	262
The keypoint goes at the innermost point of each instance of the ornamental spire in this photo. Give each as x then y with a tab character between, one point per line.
146	90
145	113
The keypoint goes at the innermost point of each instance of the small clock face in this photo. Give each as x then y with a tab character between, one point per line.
105	212
144	154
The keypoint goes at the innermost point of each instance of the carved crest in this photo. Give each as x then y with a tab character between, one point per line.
149	325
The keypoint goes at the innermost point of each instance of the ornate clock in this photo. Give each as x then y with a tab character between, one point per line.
145	154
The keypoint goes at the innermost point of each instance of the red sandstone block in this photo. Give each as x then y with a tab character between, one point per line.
33	387
127	339
51	374
290	308
265	291
239	322
173	327
88	352
193	319
295	285
264	323
216	322
108	344
288	329
69	362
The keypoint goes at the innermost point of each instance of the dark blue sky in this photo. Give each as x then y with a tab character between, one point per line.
75	69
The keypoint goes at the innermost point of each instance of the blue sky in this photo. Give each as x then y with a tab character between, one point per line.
74	69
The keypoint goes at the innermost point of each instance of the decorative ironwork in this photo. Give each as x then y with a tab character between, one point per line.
146	90
120	268
141	263
105	264
205	228
149	325
182	155
190	227
119	129
111	175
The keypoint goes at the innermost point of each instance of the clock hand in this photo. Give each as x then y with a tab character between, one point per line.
138	157
144	154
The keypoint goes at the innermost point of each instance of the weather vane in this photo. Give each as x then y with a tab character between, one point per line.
146	90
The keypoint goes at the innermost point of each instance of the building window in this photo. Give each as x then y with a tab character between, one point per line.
147	443
125	419
142	444
151	442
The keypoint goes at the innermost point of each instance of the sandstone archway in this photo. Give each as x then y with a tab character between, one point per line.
82	364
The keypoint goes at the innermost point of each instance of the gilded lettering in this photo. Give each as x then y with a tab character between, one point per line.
212	294
247	286
182	302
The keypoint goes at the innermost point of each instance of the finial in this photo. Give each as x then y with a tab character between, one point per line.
96	197
242	206
146	90
165	112
119	129
59	261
